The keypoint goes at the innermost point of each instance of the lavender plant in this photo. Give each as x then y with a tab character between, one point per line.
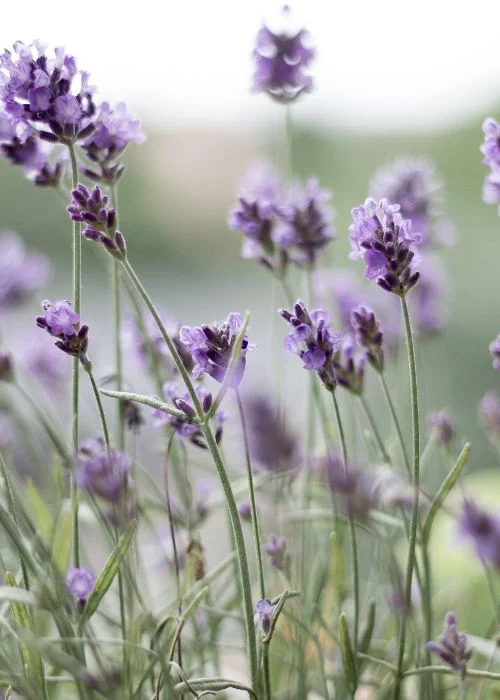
333	596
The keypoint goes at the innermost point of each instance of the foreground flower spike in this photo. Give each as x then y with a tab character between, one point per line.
495	352
62	322
211	347
489	415
184	428
443	428
282	61
304	225
264	609
6	367
21	271
385	241
369	336
451	646
79	583
484	530
91	208
276	548
313	340
47	94
491	152
272	445
114	130
103	471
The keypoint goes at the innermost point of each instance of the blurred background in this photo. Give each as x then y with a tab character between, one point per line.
390	79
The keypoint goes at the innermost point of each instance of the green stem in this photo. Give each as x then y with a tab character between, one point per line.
375	431
462	688
352	531
100	407
396	422
416	488
115	281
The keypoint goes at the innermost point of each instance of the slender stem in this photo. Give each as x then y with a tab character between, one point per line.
241	553
373	426
471	673
115	281
416	489
75	382
352	530
462	688
100	407
396	422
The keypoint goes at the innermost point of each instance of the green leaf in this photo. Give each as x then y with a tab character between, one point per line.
23	620
348	659
445	489
105	578
63	538
337	571
367	633
38	509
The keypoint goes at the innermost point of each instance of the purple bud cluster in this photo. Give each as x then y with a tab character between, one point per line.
385	241
21	271
98	218
491	152
483	529
495	352
275	547
211	347
102	470
282	60
489	415
79	584
264	609
452	647
185	427
369	336
60	321
443	427
353	485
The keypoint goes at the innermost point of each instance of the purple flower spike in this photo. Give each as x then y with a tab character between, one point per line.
369	336
489	414
443	427
79	583
211	347
264	609
451	646
21	272
386	242
91	208
61	322
483	529
349	366
276	548
313	340
103	471
354	486
282	61
495	352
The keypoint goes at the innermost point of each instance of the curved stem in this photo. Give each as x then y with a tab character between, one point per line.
375	431
100	407
117	330
416	488
352	531
396	422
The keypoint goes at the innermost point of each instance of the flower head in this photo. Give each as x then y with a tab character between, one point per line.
369	336
491	152
443	426
60	321
349	366
451	646
264	609
494	348
484	529
276	548
211	347
245	510
281	61
102	470
385	241
21	271
489	414
313	340
353	485
98	218
79	583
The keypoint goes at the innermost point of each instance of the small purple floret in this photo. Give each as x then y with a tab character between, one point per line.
103	471
483	529
495	352
452	647
443	426
79	583
264	609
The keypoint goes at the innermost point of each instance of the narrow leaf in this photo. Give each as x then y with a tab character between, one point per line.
63	538
148	401
38	509
105	578
367	633
337	568
347	655
17	595
445	489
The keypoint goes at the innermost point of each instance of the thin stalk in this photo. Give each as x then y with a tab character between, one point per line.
375	431
462	688
396	422
352	531
416	486
117	330
256	536
100	407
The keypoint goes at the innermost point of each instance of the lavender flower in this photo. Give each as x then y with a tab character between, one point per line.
6	429
491	152
281	61
184	427
491	188
21	272
98	218
484	529
369	336
313	340
489	414
385	241
272	445
103	471
396	599
47	93
354	486
148	344
349	366
276	548
451	646
304	225
79	583
62	322
114	130
211	347
442	426
264	609
6	367
43	362
245	510
494	348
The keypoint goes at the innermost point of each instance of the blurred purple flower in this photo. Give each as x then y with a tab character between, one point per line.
428	302
491	152
99	223
282	60
484	529
369	335
211	347
489	414
43	362
354	485
451	646
494	348
103	471
80	583
385	241
443	427
276	548
264	609
349	366
21	272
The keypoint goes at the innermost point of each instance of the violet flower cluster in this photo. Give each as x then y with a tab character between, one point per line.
273	446
483	529
102	470
443	427
452	646
489	415
98	218
491	152
80	583
21	271
62	322
369	336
